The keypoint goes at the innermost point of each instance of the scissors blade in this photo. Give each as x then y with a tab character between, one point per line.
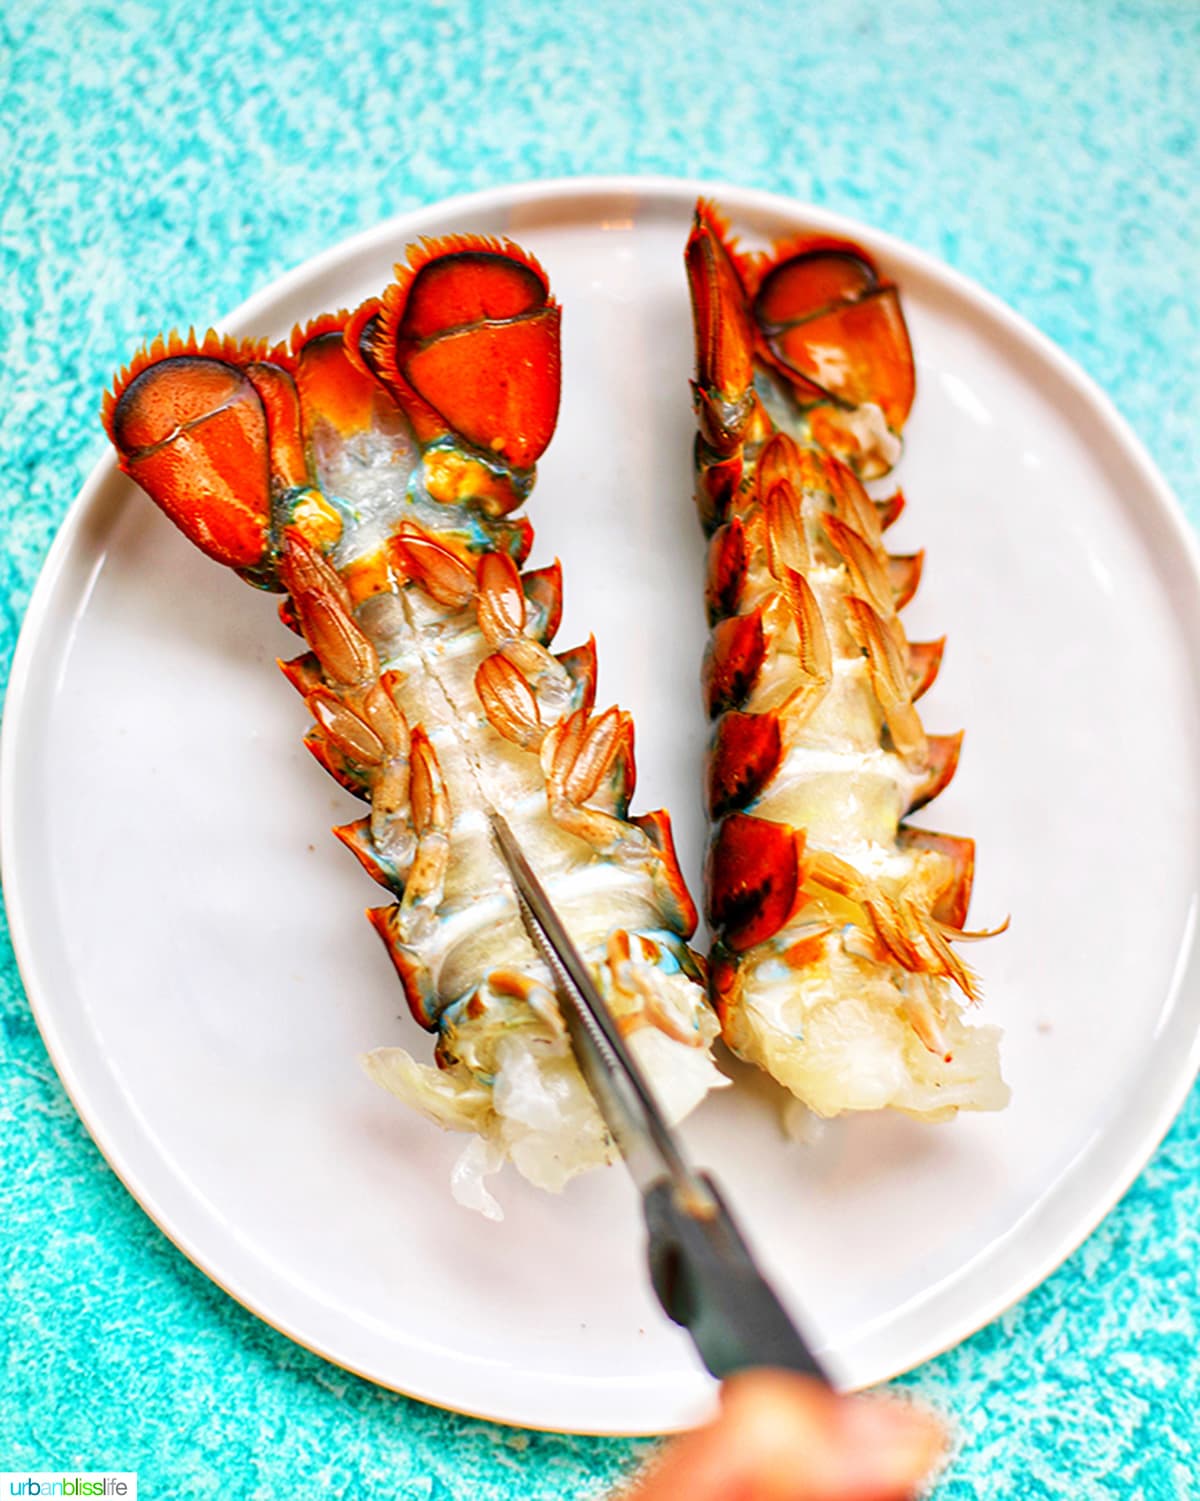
649	1145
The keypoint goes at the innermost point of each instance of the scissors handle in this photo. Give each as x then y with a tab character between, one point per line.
707	1280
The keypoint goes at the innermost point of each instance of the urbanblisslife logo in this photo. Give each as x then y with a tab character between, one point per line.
68	1483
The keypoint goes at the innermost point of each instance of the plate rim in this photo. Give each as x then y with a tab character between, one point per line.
1155	1123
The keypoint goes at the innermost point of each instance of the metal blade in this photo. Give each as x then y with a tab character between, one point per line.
648	1143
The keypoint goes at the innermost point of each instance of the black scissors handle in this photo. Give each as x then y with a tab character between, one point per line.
707	1280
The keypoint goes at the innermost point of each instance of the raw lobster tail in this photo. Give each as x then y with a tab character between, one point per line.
369	470
834	966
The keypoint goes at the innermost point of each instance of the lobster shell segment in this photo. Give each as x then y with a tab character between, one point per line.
726	570
742	759
752	880
736	652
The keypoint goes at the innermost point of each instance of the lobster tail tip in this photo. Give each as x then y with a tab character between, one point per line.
707	218
359	334
336	386
708	222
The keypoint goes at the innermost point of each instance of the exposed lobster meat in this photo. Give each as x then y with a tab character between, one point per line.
834	966
371	470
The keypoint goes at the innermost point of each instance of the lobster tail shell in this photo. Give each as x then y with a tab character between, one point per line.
724	332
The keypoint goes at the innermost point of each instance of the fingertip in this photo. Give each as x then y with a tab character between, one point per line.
776	1408
804	1435
781	1436
897	1444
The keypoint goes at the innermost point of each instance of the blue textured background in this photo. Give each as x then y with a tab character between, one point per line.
160	163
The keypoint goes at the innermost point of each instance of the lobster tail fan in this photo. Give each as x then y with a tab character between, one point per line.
336	387
192	431
833	328
467	339
724	333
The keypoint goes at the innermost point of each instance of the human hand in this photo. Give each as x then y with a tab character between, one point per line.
783	1437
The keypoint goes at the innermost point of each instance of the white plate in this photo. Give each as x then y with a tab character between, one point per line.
193	941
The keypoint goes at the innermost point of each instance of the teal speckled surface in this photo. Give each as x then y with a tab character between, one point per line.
162	162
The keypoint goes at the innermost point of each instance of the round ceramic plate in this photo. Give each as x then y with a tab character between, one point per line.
193	940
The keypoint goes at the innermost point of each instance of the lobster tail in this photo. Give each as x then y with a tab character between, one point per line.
833	966
337	394
369	470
